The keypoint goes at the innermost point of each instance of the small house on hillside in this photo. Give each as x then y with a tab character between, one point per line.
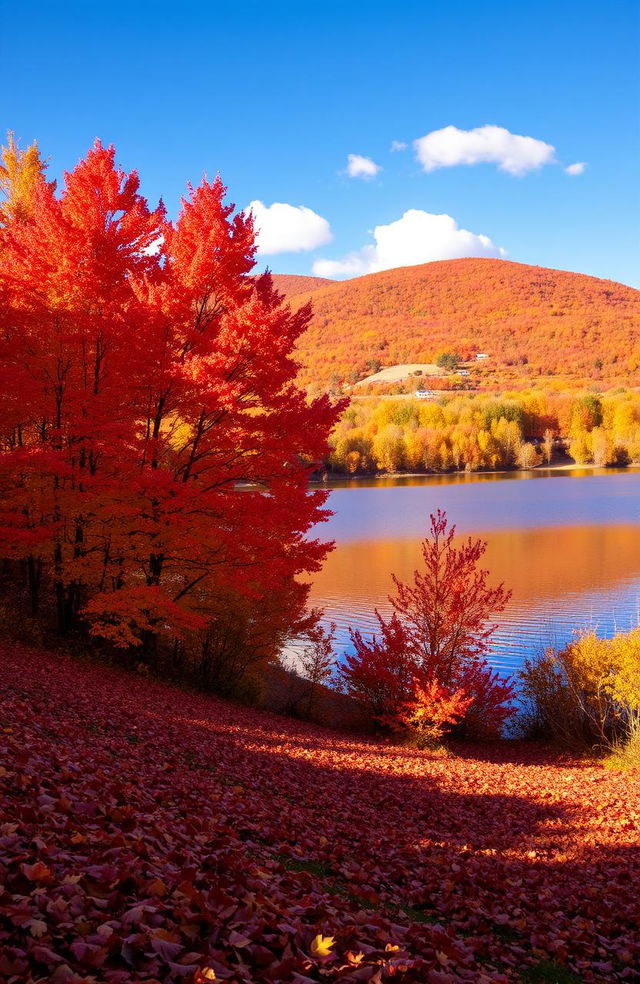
425	394
481	355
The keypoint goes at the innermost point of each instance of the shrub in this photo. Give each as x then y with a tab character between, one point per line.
310	671
431	710
241	638
549	710
379	673
589	692
491	701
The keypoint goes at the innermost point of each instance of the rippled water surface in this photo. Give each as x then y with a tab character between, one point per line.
567	544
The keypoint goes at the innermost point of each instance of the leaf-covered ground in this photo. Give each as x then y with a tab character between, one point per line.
152	834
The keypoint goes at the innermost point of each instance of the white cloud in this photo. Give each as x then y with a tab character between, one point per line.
417	237
450	147
575	169
283	228
154	248
397	145
362	167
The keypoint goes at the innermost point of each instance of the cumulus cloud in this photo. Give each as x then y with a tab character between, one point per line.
283	228
417	237
154	248
514	154
362	167
397	145
575	169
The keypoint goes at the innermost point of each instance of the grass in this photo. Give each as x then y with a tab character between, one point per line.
549	972
316	868
625	757
417	915
323	871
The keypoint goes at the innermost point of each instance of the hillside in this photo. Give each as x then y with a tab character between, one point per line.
532	322
154	834
292	284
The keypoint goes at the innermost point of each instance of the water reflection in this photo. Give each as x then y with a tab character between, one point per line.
569	550
467	478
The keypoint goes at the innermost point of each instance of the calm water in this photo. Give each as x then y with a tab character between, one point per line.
567	544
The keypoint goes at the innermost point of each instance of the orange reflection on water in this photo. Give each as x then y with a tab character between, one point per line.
536	564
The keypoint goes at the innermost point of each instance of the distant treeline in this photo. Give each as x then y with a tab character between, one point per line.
482	431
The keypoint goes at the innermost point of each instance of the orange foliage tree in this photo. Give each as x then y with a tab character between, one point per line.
154	449
20	173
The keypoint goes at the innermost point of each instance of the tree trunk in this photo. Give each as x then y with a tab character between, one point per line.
34	571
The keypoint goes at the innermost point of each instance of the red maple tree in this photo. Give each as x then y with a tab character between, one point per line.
154	448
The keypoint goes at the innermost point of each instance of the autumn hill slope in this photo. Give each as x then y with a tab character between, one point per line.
533	322
292	284
151	834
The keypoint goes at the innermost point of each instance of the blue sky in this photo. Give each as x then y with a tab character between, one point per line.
275	96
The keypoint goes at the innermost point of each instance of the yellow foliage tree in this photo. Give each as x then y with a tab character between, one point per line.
389	448
588	692
528	456
604	676
580	448
481	431
20	172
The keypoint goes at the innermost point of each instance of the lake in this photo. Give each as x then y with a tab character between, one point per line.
566	543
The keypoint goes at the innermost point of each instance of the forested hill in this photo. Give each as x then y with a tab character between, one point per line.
292	284
531	321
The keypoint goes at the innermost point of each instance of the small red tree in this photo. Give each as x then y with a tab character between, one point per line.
492	700
380	672
446	612
432	709
429	668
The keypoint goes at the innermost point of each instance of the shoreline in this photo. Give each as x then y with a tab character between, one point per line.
333	477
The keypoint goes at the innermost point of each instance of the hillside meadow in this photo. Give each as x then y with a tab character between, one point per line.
154	834
533	323
292	284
